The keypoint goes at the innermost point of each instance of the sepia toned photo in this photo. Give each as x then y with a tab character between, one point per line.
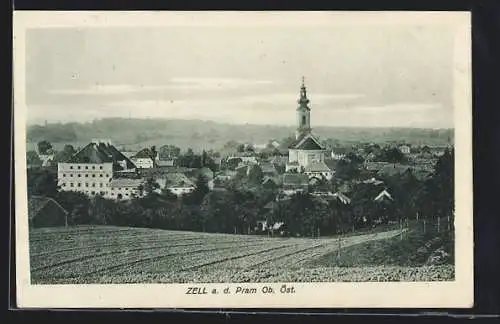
243	159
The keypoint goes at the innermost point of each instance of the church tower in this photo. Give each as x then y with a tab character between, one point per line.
303	113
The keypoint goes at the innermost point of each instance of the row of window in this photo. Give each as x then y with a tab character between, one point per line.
86	176
86	167
79	184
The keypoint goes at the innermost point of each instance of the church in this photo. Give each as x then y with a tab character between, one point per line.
306	154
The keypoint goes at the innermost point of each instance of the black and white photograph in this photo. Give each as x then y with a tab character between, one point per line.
243	159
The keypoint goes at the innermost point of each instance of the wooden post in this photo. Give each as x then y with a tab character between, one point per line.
338	250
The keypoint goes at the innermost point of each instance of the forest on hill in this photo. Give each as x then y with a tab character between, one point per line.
198	134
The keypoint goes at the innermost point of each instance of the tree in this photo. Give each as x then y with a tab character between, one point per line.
44	147
255	176
201	189
240	148
149	187
32	159
77	204
42	182
66	153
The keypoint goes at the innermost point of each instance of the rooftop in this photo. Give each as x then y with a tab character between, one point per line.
317	167
125	182
37	203
101	152
295	179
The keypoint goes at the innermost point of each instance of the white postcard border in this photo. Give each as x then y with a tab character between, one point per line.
458	293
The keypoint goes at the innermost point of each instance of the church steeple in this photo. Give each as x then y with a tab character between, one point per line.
303	113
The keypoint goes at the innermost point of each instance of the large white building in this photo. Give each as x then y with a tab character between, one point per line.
306	154
91	170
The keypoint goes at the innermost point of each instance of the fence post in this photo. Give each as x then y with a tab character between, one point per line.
338	250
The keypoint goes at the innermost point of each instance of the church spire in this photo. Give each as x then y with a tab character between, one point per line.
303	113
303	101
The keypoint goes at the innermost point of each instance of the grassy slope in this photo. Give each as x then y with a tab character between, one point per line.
408	252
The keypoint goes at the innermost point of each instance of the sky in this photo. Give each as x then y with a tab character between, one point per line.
368	76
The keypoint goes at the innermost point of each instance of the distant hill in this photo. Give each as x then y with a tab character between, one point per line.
198	134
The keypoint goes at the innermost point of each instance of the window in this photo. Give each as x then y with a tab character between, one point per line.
78	167
303	120
86	167
100	167
71	184
86	176
126	188
63	184
71	175
93	185
79	175
93	167
86	184
79	184
71	167
93	176
102	193
93	192
100	185
107	175
64	175
100	175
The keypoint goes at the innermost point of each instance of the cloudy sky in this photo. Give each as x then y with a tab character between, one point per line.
355	75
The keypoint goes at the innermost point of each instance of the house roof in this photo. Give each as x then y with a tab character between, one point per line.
125	182
393	169
383	195
295	179
144	154
100	153
317	167
375	166
342	198
37	203
331	164
267	167
178	180
307	142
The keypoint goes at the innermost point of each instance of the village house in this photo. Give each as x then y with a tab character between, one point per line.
294	183
91	169
46	212
405	149
145	159
179	184
124	188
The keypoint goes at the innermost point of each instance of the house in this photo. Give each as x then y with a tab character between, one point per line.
179	184
47	159
405	149
165	163
338	153
46	212
341	197
268	169
375	166
225	175
91	169
391	170
383	196
124	188
145	158
318	170
270	182
295	182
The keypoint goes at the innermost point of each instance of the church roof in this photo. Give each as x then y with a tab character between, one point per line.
306	142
